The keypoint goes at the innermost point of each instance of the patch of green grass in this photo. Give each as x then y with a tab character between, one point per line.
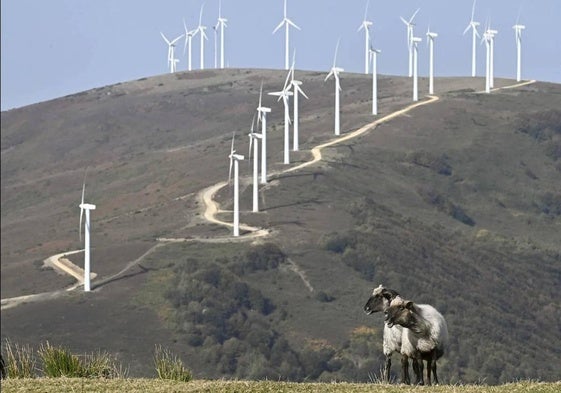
169	366
161	386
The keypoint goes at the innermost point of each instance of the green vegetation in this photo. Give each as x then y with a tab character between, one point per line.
20	360
169	366
160	386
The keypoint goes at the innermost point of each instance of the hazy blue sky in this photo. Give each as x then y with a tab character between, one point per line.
58	47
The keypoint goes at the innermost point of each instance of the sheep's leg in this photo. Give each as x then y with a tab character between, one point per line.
405	370
429	369
387	367
419	373
434	370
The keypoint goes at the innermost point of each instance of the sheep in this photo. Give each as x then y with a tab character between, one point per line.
425	334
380	301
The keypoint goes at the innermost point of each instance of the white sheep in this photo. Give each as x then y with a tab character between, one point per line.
392	341
425	334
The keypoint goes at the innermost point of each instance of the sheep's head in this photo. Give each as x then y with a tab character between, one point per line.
400	312
379	300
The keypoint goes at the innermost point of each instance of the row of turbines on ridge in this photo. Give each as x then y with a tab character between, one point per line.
292	88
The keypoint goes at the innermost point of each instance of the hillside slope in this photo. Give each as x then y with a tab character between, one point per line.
457	204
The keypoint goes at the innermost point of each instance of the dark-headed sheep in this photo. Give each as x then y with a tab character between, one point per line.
425	334
379	301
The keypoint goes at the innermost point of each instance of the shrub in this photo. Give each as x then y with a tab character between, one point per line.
169	366
20	362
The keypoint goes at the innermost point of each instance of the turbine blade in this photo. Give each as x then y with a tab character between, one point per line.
81	203
201	14
336	50
366	10
301	92
473	10
404	21
467	28
279	26
165	38
260	93
414	14
293	24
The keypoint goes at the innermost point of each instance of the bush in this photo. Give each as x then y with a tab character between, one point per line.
20	361
169	366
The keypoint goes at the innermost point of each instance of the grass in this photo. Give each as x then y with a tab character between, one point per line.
169	366
20	361
154	385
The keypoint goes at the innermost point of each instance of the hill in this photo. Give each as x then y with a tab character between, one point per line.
456	203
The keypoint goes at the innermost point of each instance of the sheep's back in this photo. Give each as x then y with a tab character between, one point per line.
438	325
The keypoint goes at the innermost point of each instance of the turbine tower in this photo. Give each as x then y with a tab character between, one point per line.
234	160
87	207
285	94
171	51
189	34
286	23
221	24
409	23
262	117
518	36
296	92
473	25
430	37
415	41
335	72
365	25
487	39
374	56
201	29
492	34
255	137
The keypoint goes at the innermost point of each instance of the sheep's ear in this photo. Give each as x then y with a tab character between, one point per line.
409	305
387	295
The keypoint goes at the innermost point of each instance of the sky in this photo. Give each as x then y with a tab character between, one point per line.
54	48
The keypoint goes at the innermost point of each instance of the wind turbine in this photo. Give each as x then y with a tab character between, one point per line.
189	34
221	24
335	72
234	159
286	23
430	37
262	117
409	23
201	29
254	136
487	39
296	92
415	41
171	51
374	56
492	34
285	94
473	25
365	25
518	36
174	64
87	207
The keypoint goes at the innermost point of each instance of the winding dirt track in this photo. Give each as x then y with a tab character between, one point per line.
211	209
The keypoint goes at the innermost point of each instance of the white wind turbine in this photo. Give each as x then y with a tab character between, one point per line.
87	207
518	36
487	39
430	37
286	23
201	29
262	117
221	24
335	72
174	64
473	25
284	95
374	56
189	34
365	25
492	34
296	92
234	159
409	23
255	137
171	51
415	41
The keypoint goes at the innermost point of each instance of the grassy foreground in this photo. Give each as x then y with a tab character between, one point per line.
47	385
